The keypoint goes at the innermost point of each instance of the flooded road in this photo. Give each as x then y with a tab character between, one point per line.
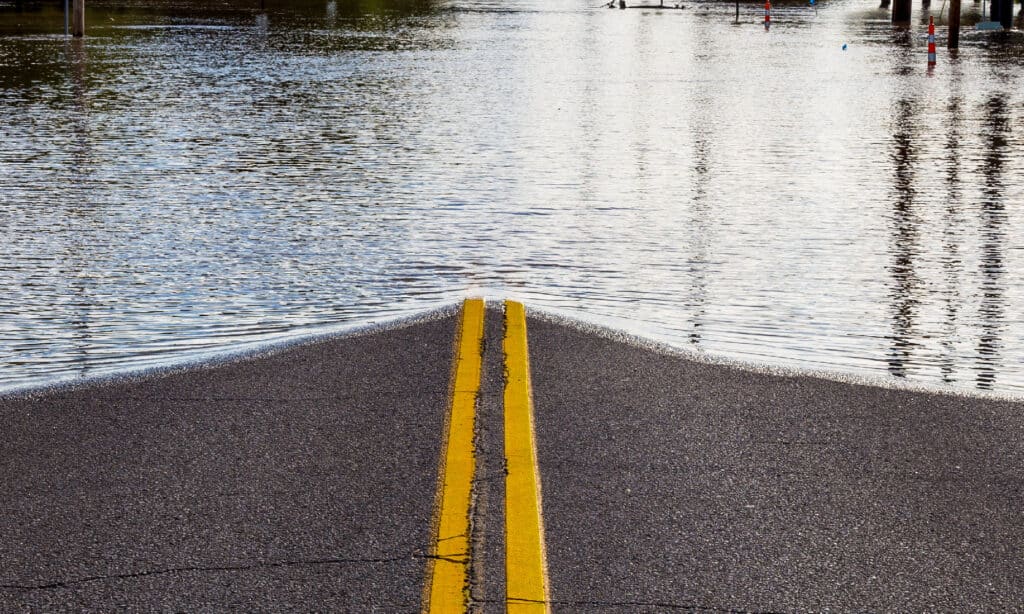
189	178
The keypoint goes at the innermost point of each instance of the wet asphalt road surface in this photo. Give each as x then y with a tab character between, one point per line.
300	482
306	481
670	484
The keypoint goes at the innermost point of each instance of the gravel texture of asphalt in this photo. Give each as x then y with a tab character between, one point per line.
306	479
674	484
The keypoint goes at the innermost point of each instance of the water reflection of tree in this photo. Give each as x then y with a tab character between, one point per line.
107	20
993	237
905	242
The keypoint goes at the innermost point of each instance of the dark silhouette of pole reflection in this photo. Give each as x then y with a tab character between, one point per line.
77	260
993	239
701	222
904	237
701	239
952	235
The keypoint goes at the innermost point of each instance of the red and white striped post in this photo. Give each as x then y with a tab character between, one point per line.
931	42
767	14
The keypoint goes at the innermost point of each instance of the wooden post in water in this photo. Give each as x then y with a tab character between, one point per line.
78	19
901	12
1002	11
953	41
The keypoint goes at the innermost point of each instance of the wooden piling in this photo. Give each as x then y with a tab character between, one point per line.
901	12
1002	11
78	19
953	41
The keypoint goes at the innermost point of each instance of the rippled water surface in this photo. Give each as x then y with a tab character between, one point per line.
199	174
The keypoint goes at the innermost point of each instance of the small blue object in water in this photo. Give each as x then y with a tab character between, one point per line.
844	46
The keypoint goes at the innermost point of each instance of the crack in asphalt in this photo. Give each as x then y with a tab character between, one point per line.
173	570
239	399
659	604
449	559
791	442
651	604
490	478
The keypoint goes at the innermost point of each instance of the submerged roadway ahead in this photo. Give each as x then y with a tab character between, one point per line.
583	474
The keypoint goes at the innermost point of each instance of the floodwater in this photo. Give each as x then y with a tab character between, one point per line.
196	175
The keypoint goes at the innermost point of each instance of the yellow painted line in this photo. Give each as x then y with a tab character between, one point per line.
525	560
447	585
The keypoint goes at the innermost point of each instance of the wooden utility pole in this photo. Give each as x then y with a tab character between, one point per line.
78	19
953	41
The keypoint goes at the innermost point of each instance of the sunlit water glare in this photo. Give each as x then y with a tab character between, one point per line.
188	179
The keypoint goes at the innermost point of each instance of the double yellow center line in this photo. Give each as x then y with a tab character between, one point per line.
525	562
448	568
447	587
